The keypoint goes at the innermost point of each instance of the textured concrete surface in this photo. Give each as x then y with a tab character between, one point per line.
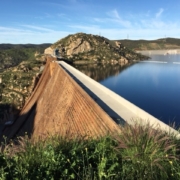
116	106
59	105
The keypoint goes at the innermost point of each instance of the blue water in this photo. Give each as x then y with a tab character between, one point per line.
152	86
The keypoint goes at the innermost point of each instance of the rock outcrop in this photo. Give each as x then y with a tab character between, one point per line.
48	50
88	47
78	46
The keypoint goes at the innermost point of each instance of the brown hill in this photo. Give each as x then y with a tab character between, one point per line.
88	47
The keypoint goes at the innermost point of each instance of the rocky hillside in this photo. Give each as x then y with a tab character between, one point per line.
20	65
88	47
16	85
159	44
20	68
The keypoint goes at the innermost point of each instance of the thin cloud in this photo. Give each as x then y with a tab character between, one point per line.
147	13
99	20
61	14
115	17
139	26
37	28
112	25
115	14
159	13
84	27
9	30
47	15
72	1
13	35
55	5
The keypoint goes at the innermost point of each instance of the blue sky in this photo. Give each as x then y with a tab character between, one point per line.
47	21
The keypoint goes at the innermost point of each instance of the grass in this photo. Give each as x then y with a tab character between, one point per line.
147	153
138	153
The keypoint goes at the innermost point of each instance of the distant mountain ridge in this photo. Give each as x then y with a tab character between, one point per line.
5	46
159	44
13	54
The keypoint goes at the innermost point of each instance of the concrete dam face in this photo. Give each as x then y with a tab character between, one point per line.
70	104
58	105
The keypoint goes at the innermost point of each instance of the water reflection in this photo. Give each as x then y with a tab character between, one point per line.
100	72
153	86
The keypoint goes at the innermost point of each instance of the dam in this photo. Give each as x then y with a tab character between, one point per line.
69	103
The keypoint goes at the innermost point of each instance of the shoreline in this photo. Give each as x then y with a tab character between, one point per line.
159	52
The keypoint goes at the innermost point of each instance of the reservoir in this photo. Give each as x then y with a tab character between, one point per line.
153	85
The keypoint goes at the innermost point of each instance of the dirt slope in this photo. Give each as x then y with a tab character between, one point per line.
59	105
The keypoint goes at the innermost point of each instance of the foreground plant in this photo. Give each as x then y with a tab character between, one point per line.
59	158
147	153
138	153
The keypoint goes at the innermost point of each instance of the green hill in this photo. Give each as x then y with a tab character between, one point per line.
159	44
13	54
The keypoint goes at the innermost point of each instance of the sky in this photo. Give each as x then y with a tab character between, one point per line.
47	21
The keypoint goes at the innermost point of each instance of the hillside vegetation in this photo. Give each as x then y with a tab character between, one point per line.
11	55
159	44
17	84
88	47
20	68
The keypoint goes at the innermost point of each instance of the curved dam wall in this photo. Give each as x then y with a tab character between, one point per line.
59	105
121	110
69	103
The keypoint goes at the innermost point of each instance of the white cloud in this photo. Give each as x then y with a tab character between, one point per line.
115	17
31	35
100	20
115	14
37	35
112	25
38	28
159	13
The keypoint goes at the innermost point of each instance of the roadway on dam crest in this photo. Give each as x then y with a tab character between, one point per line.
118	108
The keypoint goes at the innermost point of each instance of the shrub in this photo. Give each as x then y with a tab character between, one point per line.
147	153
